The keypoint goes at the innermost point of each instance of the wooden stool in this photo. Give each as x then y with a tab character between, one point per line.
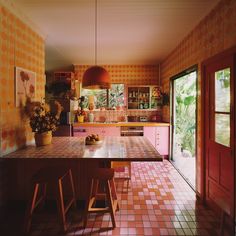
103	176
118	164
54	176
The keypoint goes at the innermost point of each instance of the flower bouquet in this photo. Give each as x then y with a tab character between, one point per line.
43	122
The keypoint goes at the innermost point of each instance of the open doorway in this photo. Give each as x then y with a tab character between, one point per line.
184	102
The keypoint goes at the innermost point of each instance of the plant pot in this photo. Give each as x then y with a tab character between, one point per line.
80	119
42	139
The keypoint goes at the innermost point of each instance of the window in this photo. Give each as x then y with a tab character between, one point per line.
113	97
222	107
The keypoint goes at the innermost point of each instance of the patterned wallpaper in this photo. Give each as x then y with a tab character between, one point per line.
22	47
215	33
127	74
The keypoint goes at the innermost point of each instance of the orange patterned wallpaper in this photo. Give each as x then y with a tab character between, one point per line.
19	46
215	33
127	74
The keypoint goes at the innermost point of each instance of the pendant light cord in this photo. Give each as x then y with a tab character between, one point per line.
96	31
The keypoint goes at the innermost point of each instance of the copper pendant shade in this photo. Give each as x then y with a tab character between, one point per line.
96	77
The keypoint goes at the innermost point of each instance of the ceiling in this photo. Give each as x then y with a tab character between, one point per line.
129	31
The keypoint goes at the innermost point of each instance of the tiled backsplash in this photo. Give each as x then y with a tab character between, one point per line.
110	115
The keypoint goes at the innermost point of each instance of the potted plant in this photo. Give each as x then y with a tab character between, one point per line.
43	122
81	112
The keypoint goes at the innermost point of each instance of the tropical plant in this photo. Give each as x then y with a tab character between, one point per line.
116	95
185	109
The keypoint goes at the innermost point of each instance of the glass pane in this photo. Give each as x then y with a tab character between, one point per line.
99	97
116	95
222	90
222	129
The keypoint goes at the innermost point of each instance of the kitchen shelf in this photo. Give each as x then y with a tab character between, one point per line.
143	97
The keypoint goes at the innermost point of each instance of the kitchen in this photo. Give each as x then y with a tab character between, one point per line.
164	180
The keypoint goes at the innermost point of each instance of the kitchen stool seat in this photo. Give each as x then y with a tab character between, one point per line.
53	176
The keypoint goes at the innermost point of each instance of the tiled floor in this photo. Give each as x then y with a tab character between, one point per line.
158	202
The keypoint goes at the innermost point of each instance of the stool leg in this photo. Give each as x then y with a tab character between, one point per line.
72	188
44	192
110	203
86	210
30	208
113	188
60	204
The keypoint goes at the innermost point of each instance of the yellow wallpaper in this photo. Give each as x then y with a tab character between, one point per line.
127	74
19	46
215	33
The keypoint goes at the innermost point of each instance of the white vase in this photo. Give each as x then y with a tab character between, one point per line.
91	117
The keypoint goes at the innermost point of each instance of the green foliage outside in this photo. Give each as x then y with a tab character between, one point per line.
185	112
116	96
222	104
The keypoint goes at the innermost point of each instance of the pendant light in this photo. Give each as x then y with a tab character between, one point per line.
96	77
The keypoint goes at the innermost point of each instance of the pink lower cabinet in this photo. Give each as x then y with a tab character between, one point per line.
104	131
162	140
112	131
101	131
159	138
150	134
79	132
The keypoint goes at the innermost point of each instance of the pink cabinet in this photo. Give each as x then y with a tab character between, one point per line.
112	131
101	131
159	138
162	140
79	132
150	134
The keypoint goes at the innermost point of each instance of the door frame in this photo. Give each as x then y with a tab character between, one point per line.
204	64
172	79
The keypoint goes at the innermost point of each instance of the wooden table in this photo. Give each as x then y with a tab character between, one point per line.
72	152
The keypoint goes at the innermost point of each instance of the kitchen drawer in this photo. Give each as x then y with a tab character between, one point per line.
101	131
79	132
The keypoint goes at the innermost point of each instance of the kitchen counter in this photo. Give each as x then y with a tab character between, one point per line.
118	124
71	152
111	149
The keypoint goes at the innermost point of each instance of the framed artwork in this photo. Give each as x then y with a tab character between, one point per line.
25	85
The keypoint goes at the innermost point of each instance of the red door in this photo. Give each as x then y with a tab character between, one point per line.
219	132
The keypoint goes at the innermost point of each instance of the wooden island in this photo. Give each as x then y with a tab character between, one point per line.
72	152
